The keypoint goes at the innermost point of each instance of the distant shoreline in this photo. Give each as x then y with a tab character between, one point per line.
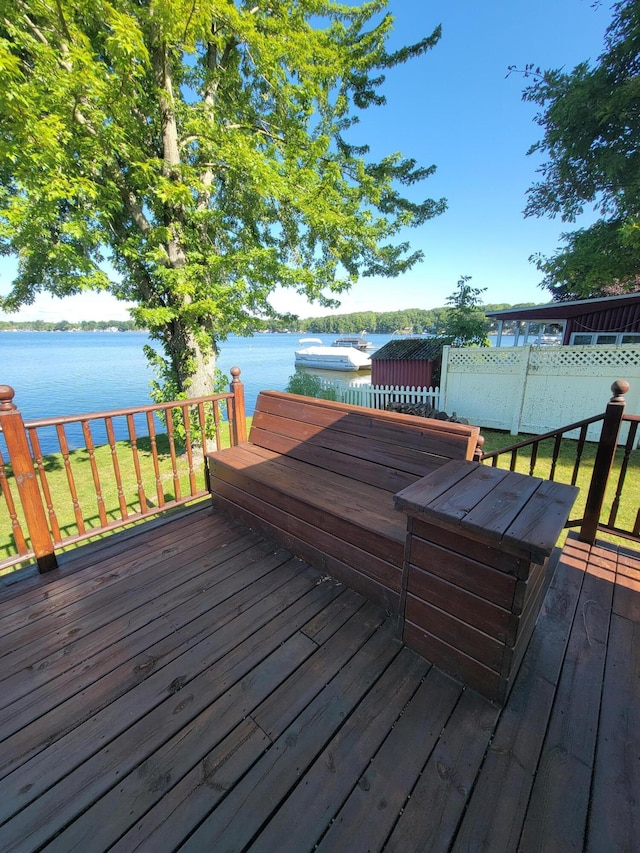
82	331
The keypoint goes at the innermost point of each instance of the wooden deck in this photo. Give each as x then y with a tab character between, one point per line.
189	686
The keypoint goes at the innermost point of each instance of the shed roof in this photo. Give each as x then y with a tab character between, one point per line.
565	310
410	349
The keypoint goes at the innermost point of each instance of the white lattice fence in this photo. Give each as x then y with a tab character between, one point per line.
379	396
537	389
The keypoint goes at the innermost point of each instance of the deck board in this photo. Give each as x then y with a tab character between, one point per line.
221	694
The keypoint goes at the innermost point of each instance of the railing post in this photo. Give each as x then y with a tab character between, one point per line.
240	415
604	461
25	477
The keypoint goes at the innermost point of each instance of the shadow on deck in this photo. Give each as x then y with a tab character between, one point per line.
189	685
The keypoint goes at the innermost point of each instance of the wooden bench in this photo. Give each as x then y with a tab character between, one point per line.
320	477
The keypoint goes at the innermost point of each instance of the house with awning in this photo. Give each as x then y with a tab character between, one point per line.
604	320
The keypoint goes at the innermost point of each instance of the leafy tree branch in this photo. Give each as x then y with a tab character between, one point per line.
591	123
206	151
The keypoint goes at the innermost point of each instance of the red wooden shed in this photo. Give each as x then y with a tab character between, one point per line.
409	362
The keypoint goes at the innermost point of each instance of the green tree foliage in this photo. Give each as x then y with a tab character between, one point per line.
591	137
204	149
465	323
386	322
596	261
309	385
416	320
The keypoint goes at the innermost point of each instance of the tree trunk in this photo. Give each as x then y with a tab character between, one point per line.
201	382
193	367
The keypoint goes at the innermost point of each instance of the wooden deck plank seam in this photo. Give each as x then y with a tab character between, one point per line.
125	611
425	763
76	582
358	781
316	747
116	586
552	707
190	649
320	756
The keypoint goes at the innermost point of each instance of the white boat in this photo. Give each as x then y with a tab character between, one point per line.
316	354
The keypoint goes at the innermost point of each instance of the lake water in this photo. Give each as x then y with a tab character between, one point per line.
64	373
70	373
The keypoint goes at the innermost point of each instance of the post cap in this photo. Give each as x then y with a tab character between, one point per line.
6	398
619	388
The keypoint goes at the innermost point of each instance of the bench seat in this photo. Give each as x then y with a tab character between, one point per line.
320	477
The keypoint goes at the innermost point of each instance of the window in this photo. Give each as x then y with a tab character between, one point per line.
581	339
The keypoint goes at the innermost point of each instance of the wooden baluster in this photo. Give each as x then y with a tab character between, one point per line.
88	440
25	477
230	419
16	529
108	421
217	420
239	429
514	459
136	462
631	440
604	461
579	450
186	418
154	455
533	459
174	461
44	482
556	453
202	420
64	449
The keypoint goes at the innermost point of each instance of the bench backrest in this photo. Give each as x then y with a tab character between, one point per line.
384	449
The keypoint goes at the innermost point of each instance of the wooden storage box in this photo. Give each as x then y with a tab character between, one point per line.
477	549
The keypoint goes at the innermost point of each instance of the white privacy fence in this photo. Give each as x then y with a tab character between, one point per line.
379	396
533	389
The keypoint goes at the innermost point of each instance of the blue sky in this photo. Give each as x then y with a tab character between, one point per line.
456	108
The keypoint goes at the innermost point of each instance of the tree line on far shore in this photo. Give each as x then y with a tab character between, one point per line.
431	321
410	320
66	326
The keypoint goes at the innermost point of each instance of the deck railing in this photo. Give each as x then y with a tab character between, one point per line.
51	499
603	478
60	484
